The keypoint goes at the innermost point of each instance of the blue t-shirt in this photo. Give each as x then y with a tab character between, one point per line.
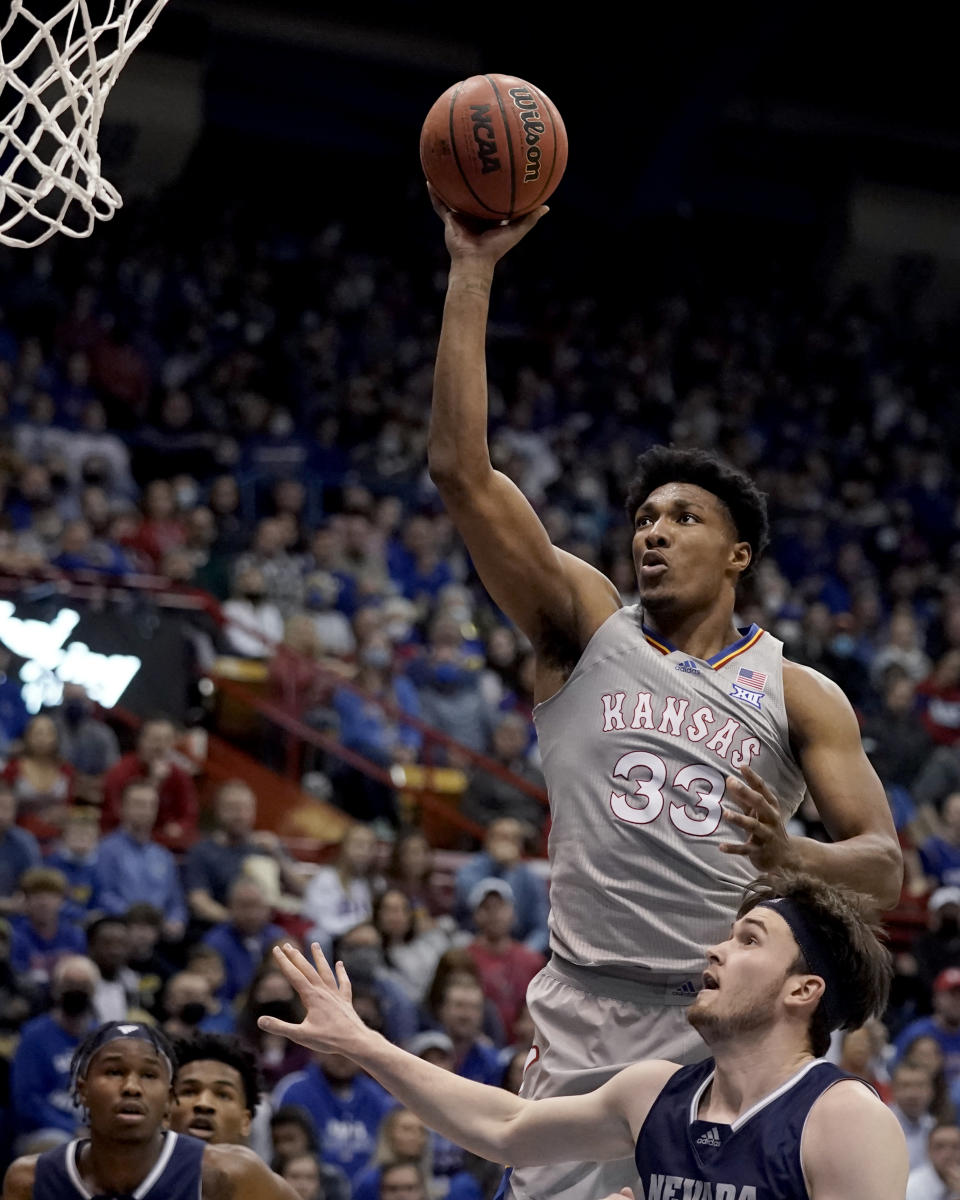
941	861
19	850
462	1186
241	955
346	1120
33	955
482	1064
40	1077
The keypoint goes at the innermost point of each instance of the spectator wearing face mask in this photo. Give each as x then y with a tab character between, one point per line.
321	599
368	728
448	684
40	1083
270	995
361	951
191	1007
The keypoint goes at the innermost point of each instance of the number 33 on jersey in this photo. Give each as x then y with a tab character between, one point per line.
636	748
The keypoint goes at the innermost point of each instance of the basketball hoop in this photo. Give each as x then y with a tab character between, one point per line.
55	76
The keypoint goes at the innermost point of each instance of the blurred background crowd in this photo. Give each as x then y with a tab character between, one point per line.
217	417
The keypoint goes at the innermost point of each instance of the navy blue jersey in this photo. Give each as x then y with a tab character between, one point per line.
680	1157
175	1174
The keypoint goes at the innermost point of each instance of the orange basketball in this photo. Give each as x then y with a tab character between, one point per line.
493	147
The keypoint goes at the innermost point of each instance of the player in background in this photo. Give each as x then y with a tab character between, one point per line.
122	1074
765	1118
216	1088
675	746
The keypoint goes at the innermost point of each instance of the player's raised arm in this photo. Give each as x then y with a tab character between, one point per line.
488	1121
547	592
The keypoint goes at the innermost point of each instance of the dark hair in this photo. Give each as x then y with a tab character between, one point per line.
100	1036
741	497
408	835
295	1114
227	1049
456	959
848	935
375	916
98	923
143	913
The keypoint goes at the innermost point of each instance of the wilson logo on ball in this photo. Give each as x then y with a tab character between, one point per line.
533	128
493	147
485	138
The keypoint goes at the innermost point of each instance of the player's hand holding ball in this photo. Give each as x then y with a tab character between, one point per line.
493	147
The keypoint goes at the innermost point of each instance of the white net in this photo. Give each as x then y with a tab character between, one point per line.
57	66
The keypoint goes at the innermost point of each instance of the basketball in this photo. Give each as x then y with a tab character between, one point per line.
494	147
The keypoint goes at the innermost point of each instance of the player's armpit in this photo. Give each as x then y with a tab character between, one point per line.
18	1181
596	1127
853	1147
556	599
865	853
236	1173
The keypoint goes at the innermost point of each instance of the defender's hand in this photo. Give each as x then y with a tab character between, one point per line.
478	241
768	843
331	1024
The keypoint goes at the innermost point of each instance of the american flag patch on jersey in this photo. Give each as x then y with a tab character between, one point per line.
749	687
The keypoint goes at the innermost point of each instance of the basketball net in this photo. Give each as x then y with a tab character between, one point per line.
56	73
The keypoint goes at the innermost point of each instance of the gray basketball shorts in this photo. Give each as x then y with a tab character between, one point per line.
582	1038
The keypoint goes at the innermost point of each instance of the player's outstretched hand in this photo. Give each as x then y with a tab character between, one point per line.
480	240
624	1191
768	843
331	1023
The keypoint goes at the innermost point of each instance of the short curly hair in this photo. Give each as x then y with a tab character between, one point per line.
741	497
227	1049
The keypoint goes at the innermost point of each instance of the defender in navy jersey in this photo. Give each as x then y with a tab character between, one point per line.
765	1119
122	1074
675	746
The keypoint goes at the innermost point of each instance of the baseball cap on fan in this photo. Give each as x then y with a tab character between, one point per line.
947	980
943	896
487	887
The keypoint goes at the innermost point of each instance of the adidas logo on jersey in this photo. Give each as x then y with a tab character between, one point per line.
687	988
689	667
710	1138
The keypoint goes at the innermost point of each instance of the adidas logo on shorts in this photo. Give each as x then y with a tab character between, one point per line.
710	1138
689	666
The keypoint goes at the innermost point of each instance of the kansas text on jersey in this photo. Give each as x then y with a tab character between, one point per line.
637	746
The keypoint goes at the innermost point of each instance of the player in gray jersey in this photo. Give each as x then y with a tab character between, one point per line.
675	746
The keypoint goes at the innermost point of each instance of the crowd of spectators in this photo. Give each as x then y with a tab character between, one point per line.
246	414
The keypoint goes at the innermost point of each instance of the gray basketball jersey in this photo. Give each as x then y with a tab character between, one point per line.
636	749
